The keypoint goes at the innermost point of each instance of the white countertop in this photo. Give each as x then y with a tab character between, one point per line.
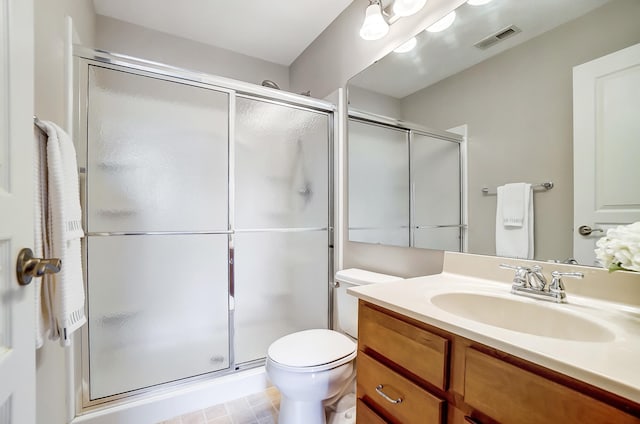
613	365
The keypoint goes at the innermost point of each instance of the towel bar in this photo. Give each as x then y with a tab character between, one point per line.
543	186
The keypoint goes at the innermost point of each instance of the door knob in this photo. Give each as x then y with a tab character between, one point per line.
585	230
28	267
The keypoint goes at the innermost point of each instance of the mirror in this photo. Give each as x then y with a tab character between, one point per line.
395	173
502	70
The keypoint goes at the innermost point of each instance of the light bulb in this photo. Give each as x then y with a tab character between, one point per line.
443	23
407	7
374	26
478	2
407	46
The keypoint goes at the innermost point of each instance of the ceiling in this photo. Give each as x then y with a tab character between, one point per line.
277	31
440	55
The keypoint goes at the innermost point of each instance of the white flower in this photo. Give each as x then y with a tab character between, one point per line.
620	248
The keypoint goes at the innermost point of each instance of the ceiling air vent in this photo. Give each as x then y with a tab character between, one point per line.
497	37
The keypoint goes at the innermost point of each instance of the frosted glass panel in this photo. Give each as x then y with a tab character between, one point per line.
435	165
158	309
157	155
281	286
378	184
281	166
5	411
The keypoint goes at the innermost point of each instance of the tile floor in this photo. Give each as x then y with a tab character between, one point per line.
258	408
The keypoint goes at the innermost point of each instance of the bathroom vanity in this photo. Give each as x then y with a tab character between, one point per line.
424	361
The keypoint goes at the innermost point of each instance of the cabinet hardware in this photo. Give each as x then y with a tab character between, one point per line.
379	388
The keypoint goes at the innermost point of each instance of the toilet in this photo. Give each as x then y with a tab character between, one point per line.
314	367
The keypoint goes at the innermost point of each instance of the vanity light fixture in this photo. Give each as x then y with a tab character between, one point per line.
408	46
443	23
478	2
374	26
407	7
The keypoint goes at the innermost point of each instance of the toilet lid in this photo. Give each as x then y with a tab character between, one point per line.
311	348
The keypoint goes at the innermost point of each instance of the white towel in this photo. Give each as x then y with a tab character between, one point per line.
513	197
40	237
513	239
63	293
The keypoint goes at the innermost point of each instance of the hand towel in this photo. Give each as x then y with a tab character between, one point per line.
512	240
40	237
64	291
514	197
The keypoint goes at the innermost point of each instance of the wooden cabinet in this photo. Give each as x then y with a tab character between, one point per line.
409	372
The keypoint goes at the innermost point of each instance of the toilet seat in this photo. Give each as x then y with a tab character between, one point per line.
311	351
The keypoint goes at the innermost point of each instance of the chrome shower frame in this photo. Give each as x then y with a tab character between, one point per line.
83	59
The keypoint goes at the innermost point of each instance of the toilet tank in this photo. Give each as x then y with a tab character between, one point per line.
347	305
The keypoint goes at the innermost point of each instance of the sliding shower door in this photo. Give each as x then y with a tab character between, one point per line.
208	219
436	187
281	223
158	231
379	197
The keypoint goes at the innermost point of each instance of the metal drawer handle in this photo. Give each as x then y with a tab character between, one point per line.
384	395
471	420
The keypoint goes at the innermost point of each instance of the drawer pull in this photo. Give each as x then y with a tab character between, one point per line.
471	420
384	395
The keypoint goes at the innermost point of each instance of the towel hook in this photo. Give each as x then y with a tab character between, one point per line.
28	267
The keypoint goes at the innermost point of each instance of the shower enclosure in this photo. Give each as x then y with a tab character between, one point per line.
208	216
405	184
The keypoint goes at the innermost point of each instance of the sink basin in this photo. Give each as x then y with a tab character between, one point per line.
522	316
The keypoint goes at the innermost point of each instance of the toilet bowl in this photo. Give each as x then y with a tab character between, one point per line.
312	367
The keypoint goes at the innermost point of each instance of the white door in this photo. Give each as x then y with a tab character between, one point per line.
17	316
606	147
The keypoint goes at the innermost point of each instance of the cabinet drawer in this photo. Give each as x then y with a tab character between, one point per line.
415	349
364	415
510	394
415	404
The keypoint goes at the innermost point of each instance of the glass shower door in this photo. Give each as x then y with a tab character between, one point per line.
436	180
281	219
378	184
158	231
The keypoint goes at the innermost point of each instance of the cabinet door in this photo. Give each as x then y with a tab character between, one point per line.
401	343
509	394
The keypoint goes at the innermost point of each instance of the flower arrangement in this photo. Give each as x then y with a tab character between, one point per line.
620	248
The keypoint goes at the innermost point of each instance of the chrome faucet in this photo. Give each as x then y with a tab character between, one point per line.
530	281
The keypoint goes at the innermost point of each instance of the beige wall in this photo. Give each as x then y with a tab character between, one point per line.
121	37
49	104
372	102
518	106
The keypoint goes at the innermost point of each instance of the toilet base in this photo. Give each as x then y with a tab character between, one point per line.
296	412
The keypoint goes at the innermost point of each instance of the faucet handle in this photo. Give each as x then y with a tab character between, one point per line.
537	279
556	282
520	278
